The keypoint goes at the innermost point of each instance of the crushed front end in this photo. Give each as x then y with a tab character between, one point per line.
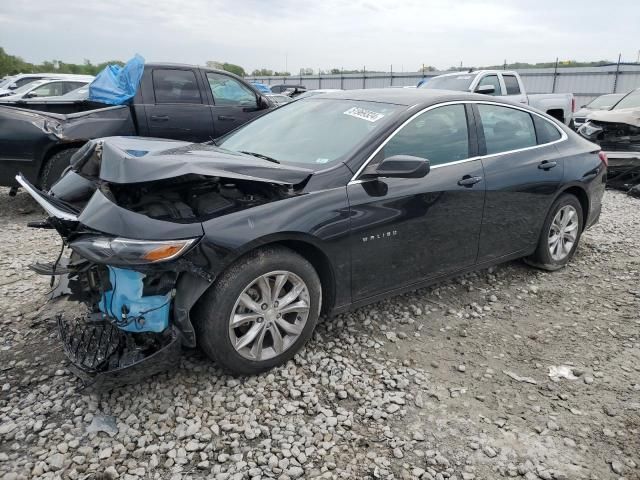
126	331
125	334
130	213
618	134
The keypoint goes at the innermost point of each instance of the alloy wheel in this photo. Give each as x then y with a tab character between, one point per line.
269	315
563	232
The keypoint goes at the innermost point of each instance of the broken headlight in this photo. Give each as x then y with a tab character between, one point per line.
589	129
125	251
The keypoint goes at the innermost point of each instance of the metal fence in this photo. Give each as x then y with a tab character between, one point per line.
585	83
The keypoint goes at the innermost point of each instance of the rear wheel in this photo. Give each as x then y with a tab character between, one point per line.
260	312
54	167
560	234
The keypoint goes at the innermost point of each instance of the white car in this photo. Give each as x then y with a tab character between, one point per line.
44	88
9	85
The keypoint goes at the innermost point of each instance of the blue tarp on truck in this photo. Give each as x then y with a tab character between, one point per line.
116	85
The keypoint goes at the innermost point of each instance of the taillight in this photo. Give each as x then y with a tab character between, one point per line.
573	104
603	158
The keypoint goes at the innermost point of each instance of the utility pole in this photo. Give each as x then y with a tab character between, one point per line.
615	80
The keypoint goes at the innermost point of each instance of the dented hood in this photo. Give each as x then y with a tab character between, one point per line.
630	116
135	160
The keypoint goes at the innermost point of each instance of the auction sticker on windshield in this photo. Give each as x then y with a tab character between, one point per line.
364	114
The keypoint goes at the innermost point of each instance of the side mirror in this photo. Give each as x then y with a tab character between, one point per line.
399	166
30	95
263	102
583	106
486	89
13	86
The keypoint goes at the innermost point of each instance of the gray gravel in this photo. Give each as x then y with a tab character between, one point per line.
446	382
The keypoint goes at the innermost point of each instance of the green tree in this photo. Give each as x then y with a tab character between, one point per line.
237	69
262	72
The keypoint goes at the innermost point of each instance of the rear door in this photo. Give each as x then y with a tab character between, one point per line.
522	171
407	230
234	103
512	88
178	110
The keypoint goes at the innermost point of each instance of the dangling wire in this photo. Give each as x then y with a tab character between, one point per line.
55	266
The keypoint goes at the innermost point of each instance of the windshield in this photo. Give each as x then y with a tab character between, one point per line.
604	102
6	82
28	86
458	83
313	131
632	100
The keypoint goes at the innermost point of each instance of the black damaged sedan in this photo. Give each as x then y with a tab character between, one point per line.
325	204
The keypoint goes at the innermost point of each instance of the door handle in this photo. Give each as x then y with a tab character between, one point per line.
226	118
469	181
547	164
159	118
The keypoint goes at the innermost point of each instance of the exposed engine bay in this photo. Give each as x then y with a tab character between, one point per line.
194	197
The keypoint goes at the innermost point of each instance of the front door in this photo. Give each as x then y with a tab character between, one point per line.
234	103
407	230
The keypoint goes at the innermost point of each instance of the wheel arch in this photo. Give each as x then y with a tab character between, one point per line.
579	192
307	247
557	113
55	149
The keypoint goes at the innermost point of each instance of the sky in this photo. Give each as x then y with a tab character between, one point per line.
294	34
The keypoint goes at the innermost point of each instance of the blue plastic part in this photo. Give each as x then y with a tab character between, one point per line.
143	314
116	85
262	88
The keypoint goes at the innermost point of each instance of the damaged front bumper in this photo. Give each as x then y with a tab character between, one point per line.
623	171
104	356
107	349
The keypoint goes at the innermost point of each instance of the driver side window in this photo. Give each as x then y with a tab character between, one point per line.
440	135
493	81
228	91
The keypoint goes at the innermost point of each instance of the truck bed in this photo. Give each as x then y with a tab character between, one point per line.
27	134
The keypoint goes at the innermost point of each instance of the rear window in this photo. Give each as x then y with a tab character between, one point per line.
511	82
545	131
506	128
176	86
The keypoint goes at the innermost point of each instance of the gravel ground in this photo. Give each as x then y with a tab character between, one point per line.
446	382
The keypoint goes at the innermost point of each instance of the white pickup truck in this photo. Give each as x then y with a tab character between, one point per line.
506	83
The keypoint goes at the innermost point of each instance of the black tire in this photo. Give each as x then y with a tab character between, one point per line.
542	257
212	314
54	167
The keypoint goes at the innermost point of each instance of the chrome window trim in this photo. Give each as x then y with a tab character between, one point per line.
563	135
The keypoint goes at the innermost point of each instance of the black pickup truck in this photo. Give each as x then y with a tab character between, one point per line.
181	102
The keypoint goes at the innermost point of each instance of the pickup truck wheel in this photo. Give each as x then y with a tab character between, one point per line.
260	311
54	166
560	234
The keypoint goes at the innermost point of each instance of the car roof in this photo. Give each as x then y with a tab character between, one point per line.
407	96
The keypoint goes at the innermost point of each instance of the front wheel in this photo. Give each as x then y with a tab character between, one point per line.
560	234
54	167
260	311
